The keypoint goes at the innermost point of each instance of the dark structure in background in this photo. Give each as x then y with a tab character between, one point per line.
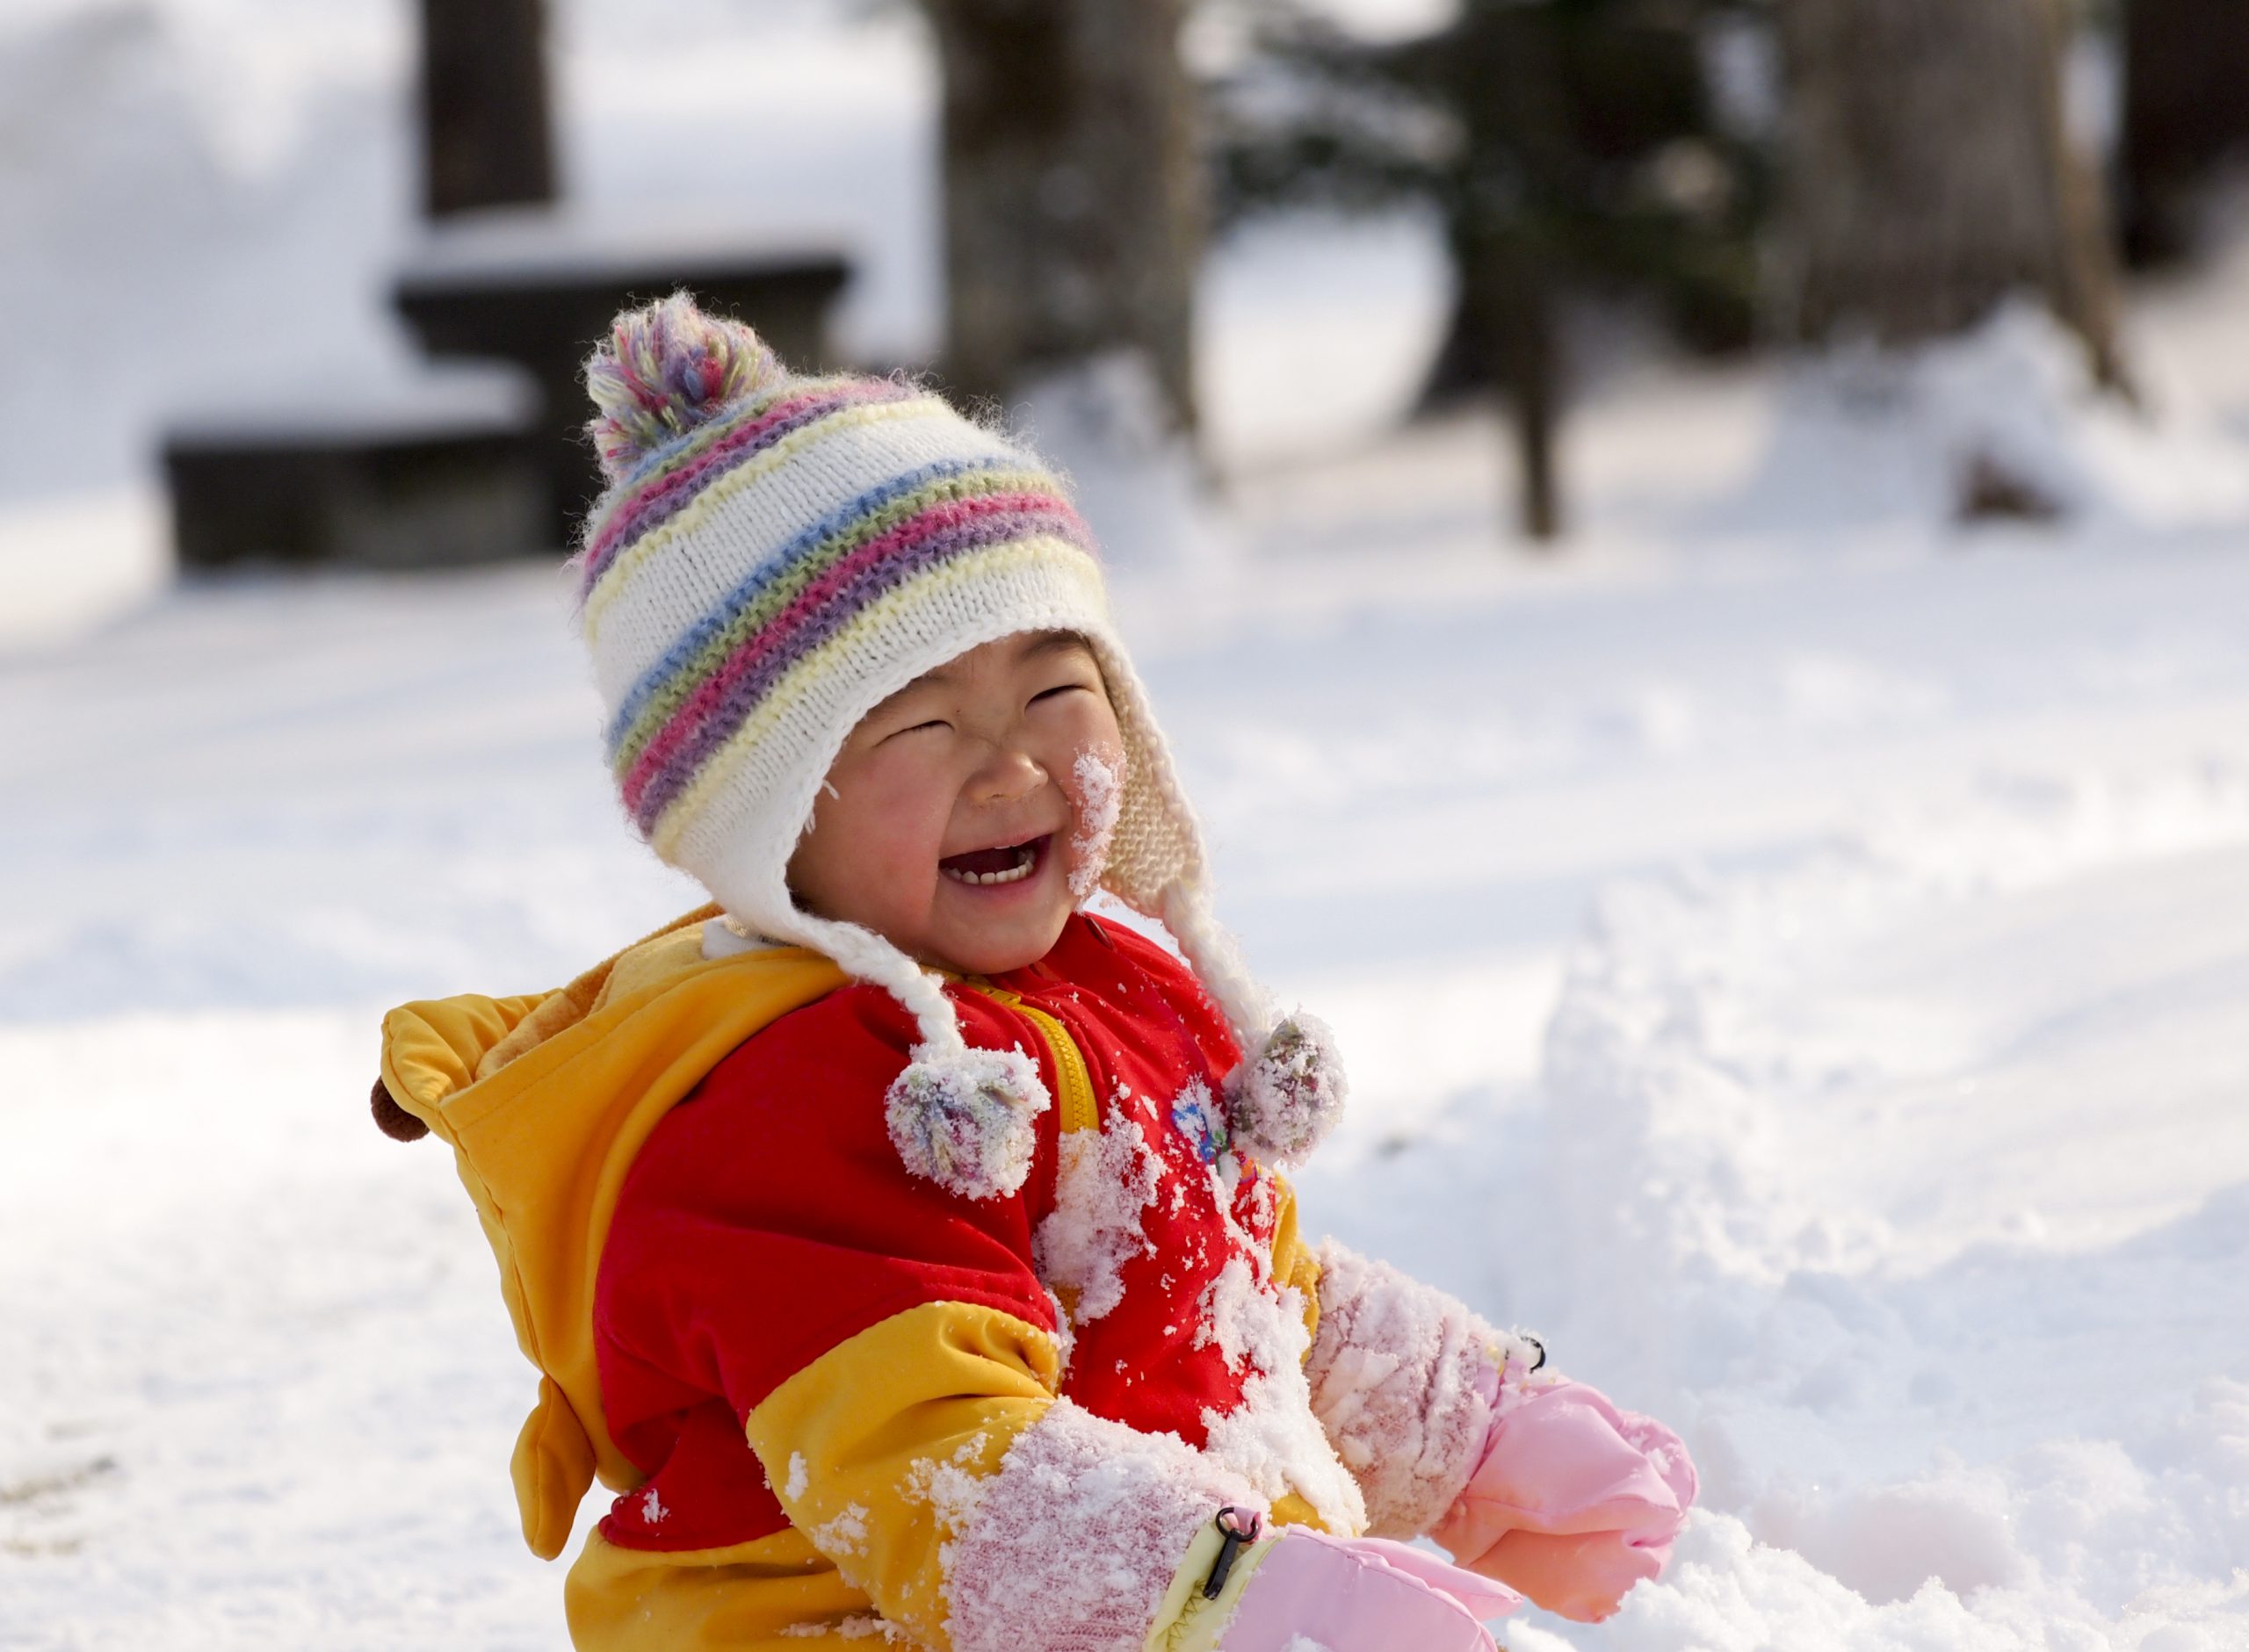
1072	198
403	497
2186	117
1572	148
502	278
417	487
542	303
1929	173
487	117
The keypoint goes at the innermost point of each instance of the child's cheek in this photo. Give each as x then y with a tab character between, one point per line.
905	815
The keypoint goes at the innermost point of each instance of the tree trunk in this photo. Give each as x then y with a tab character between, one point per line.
2185	66
1511	77
485	126
1508	289
1930	173
1072	198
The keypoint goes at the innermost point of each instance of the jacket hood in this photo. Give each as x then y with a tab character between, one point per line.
544	1099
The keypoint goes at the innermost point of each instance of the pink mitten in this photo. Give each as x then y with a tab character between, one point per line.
1572	1501
1361	1595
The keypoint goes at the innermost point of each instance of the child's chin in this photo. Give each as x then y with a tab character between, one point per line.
996	947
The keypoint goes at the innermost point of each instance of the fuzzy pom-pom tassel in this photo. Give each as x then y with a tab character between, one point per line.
664	368
1284	1099
967	1119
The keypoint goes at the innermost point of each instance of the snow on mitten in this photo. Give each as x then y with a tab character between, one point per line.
1359	1595
1090	1538
1403	1378
1572	1501
1453	1428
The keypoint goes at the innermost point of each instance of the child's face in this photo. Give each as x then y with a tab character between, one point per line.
960	809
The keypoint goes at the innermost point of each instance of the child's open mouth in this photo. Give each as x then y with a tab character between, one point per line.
1009	865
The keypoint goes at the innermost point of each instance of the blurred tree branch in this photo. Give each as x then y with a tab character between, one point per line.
1567	146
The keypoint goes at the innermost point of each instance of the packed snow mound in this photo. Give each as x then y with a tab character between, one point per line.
1728	1593
2005	421
1901	1196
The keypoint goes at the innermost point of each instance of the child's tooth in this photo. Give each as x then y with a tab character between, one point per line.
1026	860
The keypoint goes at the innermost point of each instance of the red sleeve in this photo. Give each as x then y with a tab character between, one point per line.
769	1217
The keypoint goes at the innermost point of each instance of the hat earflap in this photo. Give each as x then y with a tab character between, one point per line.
1288	1092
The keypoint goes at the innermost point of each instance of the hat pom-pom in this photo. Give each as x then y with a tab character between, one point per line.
967	1119
664	368
1284	1099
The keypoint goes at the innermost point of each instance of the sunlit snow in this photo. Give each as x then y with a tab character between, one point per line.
1791	954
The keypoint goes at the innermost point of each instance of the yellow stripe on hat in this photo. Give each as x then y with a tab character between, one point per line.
843	656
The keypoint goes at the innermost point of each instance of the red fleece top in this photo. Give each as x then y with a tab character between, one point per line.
769	1218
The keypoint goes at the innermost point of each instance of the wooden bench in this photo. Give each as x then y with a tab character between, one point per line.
435	472
538	288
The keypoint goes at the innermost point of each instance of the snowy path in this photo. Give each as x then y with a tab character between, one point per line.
1812	994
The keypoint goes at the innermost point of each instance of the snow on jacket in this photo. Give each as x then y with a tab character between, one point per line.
839	1398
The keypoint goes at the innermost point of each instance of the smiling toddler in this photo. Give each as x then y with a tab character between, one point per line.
908	1247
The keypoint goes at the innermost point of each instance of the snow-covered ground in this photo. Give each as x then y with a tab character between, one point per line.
1815	993
1793	957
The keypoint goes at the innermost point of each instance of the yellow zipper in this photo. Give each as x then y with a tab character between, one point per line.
1079	1109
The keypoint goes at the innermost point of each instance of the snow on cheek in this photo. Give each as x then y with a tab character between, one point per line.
1102	1182
1100	801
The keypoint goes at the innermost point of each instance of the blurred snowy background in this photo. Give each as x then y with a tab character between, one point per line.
1790	927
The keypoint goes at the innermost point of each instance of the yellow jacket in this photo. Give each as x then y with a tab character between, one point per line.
878	1450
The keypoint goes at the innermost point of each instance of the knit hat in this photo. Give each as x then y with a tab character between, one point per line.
777	555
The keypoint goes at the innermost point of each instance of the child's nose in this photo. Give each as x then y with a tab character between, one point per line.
1007	776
